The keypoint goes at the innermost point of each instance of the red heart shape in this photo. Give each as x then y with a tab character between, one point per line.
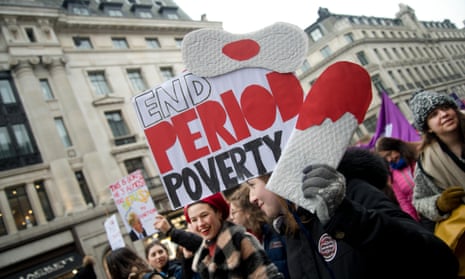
241	50
342	87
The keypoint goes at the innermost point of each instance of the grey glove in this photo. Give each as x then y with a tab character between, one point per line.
326	187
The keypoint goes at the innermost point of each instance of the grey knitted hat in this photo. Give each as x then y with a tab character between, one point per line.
424	102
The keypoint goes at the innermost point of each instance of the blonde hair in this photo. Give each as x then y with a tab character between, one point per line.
132	218
240	198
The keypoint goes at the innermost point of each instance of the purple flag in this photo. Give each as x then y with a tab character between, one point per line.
392	123
458	101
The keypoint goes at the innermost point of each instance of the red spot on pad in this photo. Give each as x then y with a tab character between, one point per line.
241	50
342	87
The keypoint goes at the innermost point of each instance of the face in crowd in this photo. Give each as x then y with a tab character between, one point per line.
237	215
158	256
266	200
442	120
205	220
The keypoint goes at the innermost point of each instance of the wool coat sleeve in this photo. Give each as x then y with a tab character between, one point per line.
188	240
425	195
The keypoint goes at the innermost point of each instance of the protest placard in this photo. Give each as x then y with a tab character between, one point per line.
135	205
209	134
113	232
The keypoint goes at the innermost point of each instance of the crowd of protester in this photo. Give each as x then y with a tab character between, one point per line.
376	216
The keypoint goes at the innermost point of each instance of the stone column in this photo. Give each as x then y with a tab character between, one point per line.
34	199
7	214
69	102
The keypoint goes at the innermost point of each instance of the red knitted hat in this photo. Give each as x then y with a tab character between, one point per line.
216	201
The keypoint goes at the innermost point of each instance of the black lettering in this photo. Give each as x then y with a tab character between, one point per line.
193	180
275	145
211	179
172	182
189	175
238	159
228	181
253	147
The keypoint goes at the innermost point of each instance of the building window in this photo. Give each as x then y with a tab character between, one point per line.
349	37
394	79
30	34
171	15
316	34
178	42
120	43
63	132
84	188
3	230
99	82
404	79
326	52
23	140
136	79
6	92
362	58
412	52
396	53
46	90
305	66
135	164
420	52
119	128
138	164
380	57
144	13
419	73
78	9
6	144
412	77
82	43
167	73
378	83
44	200
370	124
388	55
404	52
20	207
152	42
114	12
17	145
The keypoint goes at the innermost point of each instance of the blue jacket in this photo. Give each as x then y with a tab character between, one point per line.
275	248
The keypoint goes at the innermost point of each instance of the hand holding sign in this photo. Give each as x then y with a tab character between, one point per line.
332	110
229	117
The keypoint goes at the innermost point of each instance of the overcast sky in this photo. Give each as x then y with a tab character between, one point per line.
243	16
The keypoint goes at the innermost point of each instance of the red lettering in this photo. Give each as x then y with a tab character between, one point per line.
213	118
288	94
161	137
259	107
115	187
235	115
186	137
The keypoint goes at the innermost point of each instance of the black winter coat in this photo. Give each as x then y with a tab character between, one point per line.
373	240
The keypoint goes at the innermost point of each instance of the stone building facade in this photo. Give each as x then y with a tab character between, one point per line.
402	54
68	71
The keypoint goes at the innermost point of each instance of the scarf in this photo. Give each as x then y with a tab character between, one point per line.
440	164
